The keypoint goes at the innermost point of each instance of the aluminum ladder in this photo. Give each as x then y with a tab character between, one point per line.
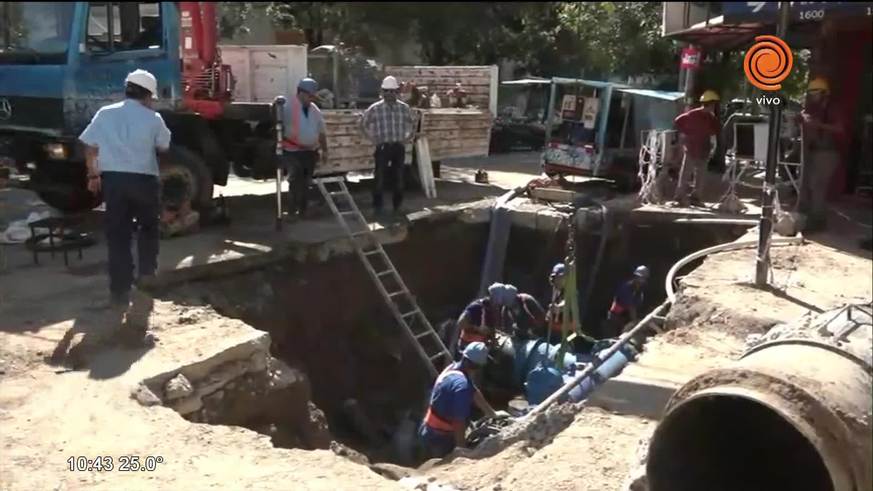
397	296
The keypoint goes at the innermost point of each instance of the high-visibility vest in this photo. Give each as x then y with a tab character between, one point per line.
431	419
291	143
616	308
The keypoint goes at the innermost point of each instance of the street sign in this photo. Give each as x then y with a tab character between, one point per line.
690	59
800	11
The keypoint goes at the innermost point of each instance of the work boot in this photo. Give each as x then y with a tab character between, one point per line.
131	338
141	307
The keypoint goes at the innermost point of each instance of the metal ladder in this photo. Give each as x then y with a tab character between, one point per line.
398	298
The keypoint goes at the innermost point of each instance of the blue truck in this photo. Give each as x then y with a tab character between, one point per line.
61	61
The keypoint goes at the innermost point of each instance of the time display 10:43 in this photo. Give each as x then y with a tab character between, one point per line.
105	463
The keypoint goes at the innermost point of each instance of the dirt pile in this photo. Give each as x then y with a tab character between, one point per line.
581	448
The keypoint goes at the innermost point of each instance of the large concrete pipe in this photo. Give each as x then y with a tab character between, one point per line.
793	413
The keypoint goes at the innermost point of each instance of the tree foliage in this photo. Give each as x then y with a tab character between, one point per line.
550	38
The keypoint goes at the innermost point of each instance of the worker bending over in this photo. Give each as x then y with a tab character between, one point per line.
821	157
445	423
305	132
502	308
627	301
696	128
389	124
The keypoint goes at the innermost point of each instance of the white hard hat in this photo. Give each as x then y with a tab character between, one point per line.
390	83
145	80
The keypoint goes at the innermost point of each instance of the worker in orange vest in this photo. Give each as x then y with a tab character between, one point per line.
305	133
628	299
451	401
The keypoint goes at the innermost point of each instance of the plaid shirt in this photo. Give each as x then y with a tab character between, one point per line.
388	123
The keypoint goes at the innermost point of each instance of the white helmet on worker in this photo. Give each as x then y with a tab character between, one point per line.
477	353
144	79
642	272
390	83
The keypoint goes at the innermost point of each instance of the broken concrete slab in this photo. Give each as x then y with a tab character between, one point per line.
177	388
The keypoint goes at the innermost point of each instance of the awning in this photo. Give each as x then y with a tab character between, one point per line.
590	83
656	94
528	81
714	33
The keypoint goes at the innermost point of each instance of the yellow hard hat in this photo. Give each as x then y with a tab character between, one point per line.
818	83
710	96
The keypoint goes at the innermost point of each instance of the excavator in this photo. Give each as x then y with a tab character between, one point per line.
61	61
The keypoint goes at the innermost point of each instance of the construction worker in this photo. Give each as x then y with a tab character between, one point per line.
305	133
503	308
821	157
627	301
523	315
696	127
121	146
451	400
482	316
389	124
554	316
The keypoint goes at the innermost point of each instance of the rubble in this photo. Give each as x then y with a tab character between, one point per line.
144	396
177	388
535	432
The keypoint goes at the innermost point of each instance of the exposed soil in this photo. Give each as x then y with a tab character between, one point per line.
594	453
718	306
49	413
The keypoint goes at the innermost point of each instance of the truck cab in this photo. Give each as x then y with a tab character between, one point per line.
61	61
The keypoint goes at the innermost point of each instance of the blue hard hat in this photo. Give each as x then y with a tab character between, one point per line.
559	269
477	353
642	272
308	85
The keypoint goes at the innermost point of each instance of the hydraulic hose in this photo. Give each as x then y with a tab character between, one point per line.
657	311
730	246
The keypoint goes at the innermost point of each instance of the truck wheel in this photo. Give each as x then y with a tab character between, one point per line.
182	162
63	187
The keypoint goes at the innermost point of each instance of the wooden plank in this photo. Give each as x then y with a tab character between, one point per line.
554	194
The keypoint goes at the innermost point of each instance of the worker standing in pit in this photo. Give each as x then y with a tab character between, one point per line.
389	124
445	423
627	301
821	156
121	146
696	127
305	133
523	315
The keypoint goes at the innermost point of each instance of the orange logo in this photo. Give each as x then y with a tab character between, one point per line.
768	62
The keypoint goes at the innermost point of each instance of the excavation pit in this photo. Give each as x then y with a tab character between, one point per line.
326	319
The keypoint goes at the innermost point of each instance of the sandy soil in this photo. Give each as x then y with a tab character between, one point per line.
594	454
49	413
718	306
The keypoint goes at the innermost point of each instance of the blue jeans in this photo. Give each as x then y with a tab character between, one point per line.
130	196
389	157
434	444
302	166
